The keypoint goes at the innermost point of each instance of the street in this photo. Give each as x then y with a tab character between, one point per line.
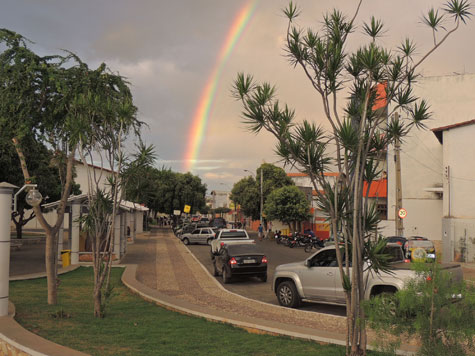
252	287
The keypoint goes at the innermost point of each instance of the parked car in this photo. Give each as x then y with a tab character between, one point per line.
240	260
185	229
418	248
204	220
400	240
318	278
229	236
220	223
199	236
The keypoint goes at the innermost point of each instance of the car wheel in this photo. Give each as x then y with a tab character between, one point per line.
209	242
287	295
186	241
215	270
263	277
226	276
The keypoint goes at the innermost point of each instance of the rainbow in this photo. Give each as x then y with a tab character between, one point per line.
202	110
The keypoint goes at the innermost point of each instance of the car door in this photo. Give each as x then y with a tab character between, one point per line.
204	235
195	236
318	278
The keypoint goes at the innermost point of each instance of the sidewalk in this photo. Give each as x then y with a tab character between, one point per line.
164	271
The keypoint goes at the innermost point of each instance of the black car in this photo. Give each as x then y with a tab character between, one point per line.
397	239
219	223
240	260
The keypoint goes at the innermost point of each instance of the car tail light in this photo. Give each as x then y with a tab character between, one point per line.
222	244
232	261
264	259
399	243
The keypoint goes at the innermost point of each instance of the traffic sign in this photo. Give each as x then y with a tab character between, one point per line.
187	209
402	213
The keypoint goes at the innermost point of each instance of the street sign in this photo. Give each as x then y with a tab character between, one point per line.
176	212
402	213
187	209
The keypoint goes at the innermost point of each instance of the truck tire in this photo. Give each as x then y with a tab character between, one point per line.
226	276
287	295
186	241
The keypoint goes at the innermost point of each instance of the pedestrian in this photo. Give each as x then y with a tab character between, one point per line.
260	231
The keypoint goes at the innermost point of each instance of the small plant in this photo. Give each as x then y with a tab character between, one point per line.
433	307
60	314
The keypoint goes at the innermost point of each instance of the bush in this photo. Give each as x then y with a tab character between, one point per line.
437	310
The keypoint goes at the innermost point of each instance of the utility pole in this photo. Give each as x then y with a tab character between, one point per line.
397	164
262	197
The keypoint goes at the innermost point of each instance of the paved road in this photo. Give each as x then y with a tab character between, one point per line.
252	287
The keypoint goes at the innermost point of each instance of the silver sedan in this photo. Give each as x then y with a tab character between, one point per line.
202	235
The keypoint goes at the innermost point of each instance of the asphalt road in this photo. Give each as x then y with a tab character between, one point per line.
255	289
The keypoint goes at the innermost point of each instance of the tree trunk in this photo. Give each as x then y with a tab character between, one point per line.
51	272
97	302
18	228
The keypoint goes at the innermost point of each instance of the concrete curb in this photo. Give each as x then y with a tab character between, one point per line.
130	281
22	277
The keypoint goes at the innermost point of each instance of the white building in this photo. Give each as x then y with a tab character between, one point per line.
438	170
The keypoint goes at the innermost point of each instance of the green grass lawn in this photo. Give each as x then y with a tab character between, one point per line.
133	326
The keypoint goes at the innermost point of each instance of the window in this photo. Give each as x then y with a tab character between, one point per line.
325	259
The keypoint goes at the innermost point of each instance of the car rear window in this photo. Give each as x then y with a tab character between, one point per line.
421	243
233	234
244	249
395	252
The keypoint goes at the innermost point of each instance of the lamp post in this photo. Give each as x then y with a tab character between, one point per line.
262	196
6	191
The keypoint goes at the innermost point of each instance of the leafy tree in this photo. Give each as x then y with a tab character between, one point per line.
101	103
247	191
246	194
173	190
433	308
360	134
287	204
33	107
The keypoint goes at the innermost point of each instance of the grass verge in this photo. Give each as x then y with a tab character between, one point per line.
133	326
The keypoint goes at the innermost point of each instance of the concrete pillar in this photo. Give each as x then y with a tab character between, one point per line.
123	234
60	240
76	213
134	225
6	191
116	250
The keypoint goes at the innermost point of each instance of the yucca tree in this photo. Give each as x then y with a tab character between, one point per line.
360	134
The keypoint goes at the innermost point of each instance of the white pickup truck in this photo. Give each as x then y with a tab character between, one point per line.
229	236
318	278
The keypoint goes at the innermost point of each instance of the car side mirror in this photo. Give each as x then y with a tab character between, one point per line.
307	263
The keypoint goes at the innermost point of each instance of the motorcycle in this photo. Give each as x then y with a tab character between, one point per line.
315	243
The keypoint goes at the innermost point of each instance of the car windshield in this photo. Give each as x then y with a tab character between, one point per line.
246	249
233	234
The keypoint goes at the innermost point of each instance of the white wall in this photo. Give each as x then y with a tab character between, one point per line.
459	156
451	100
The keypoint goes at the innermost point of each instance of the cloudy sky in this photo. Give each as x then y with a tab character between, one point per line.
169	49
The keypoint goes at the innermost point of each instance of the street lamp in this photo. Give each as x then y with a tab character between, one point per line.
33	197
262	196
